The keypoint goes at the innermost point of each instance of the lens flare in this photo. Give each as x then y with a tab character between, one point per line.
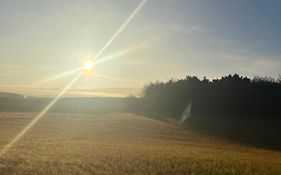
58	76
118	54
35	120
123	26
45	110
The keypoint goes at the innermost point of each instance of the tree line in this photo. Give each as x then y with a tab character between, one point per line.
229	95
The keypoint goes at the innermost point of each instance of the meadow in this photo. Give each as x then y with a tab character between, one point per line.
123	143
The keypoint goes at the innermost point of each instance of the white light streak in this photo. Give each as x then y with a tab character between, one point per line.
45	110
118	54
57	76
123	26
35	120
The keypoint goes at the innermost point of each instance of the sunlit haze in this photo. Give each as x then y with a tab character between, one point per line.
140	87
45	39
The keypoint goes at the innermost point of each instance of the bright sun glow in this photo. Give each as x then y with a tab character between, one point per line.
88	65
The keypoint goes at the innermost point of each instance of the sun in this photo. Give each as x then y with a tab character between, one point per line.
88	65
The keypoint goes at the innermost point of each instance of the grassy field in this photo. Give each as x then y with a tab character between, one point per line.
122	143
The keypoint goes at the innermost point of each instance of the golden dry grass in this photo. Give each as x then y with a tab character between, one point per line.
123	144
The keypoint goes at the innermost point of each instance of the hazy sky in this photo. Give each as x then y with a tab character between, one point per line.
168	39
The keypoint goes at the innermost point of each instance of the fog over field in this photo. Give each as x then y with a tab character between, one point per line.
52	92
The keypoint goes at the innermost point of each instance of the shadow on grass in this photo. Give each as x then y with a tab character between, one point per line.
256	132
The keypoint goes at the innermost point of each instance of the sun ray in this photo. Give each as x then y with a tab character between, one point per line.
35	120
123	26
101	60
126	51
118	54
45	110
57	77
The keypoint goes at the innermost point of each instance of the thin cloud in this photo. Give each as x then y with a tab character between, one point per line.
192	29
253	64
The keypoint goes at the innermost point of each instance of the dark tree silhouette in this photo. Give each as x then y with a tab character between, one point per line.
230	95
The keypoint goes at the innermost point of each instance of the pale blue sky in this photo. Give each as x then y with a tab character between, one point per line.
39	39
